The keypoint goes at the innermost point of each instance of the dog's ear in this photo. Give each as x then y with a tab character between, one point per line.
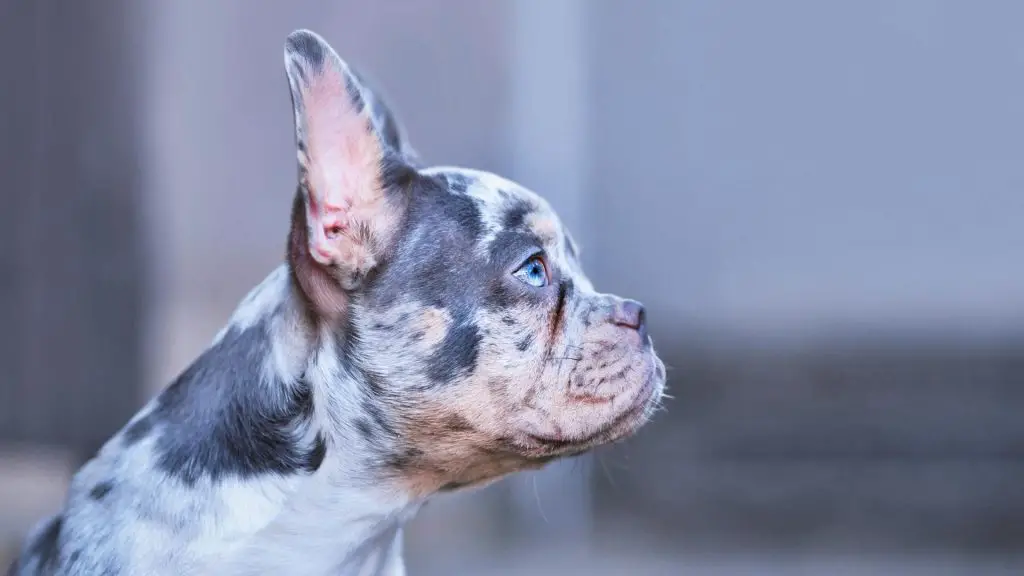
385	121
345	219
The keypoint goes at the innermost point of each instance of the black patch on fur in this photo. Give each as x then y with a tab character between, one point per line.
503	294
46	546
453	486
525	343
307	46
388	129
364	428
403	458
511	247
456	423
457	183
345	338
355	93
138	430
374	384
100	491
456	355
515	215
318	453
469	225
221	418
376	414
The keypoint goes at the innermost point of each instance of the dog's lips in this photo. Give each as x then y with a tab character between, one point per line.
622	425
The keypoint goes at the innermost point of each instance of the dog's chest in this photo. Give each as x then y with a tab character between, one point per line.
303	525
325	529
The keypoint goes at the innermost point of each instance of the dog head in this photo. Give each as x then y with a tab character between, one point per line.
457	296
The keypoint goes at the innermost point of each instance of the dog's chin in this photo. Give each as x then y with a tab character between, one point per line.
619	426
528	449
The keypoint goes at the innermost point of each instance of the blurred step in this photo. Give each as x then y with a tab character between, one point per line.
816	505
897	446
898	403
648	561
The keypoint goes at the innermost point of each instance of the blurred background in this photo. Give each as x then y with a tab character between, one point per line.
821	203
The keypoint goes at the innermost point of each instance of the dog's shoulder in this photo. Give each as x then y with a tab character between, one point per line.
58	547
155	493
40	554
114	510
90	533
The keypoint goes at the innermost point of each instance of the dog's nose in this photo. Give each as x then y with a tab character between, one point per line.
631	314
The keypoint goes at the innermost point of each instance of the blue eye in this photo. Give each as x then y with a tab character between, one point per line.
533	272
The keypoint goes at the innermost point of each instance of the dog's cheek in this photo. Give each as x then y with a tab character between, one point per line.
470	430
525	373
404	340
513	351
449	441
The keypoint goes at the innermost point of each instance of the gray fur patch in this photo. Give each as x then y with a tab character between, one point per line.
228	419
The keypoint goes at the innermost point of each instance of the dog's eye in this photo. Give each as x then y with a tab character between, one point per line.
533	272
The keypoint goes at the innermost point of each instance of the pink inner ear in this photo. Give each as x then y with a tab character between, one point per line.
342	165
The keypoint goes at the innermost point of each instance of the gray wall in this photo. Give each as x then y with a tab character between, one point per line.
72	280
800	165
774	169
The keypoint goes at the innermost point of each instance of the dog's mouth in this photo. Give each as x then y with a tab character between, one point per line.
624	424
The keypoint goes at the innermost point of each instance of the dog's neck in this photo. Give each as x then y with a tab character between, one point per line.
324	525
334	513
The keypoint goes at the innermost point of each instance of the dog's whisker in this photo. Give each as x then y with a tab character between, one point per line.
536	494
574	358
607	473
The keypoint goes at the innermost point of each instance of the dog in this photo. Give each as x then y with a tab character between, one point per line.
430	330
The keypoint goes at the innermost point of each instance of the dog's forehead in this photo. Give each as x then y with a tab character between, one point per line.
502	206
